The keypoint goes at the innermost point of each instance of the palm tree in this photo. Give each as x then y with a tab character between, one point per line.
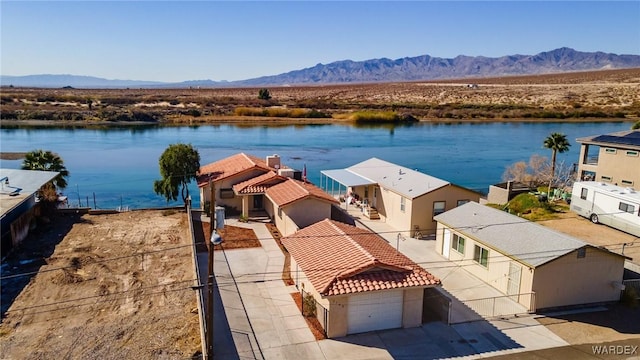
47	161
558	143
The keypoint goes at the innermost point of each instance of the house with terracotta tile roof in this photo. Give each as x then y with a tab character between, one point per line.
362	281
223	174
251	185
295	204
533	264
404	198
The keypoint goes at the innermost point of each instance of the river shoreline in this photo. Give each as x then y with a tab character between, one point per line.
263	121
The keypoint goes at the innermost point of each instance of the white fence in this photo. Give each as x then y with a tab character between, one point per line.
503	306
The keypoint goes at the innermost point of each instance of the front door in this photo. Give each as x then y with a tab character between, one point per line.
513	282
257	202
375	196
446	243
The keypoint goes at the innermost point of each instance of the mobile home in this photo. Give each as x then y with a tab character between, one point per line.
608	204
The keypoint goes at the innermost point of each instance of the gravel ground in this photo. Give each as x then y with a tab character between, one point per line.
116	287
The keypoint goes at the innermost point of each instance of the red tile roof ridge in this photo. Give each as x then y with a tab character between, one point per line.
375	263
239	187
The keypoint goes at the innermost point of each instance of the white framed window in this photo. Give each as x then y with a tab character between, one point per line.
627	182
632	153
610	151
458	244
226	194
439	207
605	178
626	208
403	203
462	202
481	255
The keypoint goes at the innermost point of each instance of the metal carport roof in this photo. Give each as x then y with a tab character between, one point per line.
347	178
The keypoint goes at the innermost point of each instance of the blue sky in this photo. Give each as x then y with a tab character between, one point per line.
235	40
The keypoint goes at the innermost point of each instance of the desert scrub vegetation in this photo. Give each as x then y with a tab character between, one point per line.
530	207
280	112
374	117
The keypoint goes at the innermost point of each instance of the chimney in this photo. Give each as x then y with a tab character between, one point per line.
273	161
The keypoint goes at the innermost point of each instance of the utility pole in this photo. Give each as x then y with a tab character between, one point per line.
215	240
212	200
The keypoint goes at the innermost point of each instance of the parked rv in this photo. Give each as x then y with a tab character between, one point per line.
612	205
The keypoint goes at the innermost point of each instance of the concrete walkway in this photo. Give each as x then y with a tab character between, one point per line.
259	304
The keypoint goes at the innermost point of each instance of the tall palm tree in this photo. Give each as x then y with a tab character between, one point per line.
558	143
47	161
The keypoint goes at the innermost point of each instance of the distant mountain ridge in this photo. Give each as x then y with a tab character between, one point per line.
423	67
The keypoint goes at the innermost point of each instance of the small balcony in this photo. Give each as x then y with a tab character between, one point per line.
591	160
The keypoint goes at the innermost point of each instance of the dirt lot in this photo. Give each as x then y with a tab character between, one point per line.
116	287
596	234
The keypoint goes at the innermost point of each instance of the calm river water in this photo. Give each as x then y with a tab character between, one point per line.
119	165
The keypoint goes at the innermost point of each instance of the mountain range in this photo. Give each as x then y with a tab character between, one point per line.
417	68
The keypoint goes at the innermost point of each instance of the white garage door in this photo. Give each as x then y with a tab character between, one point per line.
375	310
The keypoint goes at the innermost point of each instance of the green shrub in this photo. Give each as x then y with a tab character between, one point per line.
309	305
264	94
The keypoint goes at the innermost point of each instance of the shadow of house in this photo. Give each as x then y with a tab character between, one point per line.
19	204
436	340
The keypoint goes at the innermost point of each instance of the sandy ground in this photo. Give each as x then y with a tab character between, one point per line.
116	287
620	322
596	234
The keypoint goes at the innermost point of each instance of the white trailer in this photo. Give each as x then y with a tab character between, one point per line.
608	204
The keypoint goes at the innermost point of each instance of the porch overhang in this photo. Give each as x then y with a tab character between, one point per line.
347	178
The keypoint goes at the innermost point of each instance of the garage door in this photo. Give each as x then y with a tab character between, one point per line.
376	310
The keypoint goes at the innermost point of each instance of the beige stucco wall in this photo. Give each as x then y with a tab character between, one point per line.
618	166
569	280
422	207
496	273
298	215
308	211
284	223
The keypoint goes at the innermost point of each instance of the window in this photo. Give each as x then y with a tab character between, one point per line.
438	207
626	208
583	193
462	202
280	213
226	193
582	252
605	178
632	153
402	204
481	255
627	182
366	192
610	151
458	244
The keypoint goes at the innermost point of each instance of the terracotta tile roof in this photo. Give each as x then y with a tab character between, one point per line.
258	184
342	259
230	166
293	190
